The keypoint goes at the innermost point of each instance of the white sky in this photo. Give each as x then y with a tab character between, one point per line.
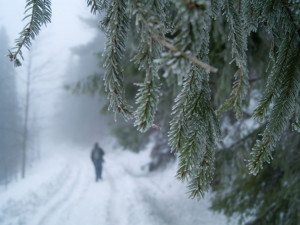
51	49
64	31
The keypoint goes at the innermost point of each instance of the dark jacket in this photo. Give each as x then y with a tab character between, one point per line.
97	154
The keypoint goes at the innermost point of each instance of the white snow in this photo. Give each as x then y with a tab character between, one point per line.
62	191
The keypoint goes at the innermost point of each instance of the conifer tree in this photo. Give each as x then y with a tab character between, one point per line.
180	46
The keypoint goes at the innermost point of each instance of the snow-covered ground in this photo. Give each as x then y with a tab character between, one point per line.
62	191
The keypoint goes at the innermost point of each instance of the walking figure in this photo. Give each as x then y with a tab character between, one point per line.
97	158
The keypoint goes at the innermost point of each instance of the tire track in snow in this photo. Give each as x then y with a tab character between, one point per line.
55	204
22	210
142	212
111	204
63	213
126	195
121	201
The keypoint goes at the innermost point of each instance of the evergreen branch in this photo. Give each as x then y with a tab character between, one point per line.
147	101
186	156
201	162
148	51
177	131
296	27
201	182
238	37
282	25
194	128
275	77
97	5
191	152
216	6
40	15
191	34
177	124
250	17
194	132
116	25
284	107
167	43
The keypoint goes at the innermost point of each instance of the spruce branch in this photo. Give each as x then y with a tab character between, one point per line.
200	183
149	50
168	44
197	154
194	121
39	13
97	5
292	19
186	157
116	25
238	36
194	132
216	6
275	77
147	101
282	111
177	124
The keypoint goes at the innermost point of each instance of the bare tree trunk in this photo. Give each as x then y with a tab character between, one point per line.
5	174
25	128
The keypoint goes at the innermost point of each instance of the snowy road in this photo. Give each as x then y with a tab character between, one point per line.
62	191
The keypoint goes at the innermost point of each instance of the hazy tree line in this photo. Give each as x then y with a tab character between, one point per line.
18	129
10	118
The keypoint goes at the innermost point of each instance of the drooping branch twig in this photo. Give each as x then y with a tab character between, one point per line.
167	44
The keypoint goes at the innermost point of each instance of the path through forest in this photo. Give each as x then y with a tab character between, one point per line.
62	191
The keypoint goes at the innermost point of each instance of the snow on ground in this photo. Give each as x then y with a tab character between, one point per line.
62	191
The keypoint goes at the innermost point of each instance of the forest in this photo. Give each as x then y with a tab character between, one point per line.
209	89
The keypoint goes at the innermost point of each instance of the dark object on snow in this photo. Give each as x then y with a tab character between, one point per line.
97	158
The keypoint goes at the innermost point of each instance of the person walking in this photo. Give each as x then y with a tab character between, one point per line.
97	159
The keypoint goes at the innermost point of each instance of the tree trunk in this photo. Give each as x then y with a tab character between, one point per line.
25	129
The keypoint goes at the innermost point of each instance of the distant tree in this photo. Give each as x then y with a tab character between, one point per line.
25	112
10	121
15	135
180	45
29	132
